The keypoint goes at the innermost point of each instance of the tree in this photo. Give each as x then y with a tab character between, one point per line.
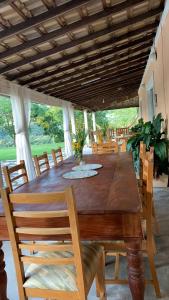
51	120
6	119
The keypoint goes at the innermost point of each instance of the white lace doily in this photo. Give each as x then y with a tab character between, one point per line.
79	174
87	167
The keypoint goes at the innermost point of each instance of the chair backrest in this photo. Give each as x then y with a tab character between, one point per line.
123	146
94	148
142	158
99	136
108	147
15	173
57	156
63	204
148	197
41	163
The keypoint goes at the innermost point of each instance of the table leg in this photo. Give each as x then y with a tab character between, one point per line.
135	269
3	276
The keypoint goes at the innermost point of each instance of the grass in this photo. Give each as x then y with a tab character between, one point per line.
9	153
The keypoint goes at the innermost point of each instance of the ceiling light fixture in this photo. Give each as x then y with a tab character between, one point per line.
103	100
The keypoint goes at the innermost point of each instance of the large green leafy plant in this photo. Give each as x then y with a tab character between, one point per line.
152	135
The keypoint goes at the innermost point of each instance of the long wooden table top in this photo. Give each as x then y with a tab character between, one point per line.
113	190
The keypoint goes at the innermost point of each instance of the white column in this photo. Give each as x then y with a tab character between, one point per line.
72	119
94	124
67	136
86	125
94	121
21	108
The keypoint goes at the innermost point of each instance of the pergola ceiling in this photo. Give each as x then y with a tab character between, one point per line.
92	53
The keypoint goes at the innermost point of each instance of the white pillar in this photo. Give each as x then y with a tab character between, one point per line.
94	121
72	119
21	108
86	126
94	124
67	136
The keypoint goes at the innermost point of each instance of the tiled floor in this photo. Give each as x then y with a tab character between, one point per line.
119	292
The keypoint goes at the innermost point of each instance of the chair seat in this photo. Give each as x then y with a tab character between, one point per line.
62	277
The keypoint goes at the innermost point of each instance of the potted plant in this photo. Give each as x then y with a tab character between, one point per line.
78	144
152	135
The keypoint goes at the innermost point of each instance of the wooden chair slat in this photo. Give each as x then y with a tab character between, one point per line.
41	214
43	231
35	198
44	247
47	261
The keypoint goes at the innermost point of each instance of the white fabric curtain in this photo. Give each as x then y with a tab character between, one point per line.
66	127
94	123
72	119
21	107
86	126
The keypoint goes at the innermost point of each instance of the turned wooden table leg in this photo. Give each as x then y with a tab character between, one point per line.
135	269
3	276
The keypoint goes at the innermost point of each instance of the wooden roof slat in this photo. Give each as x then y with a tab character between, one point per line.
74	43
107	72
41	18
66	29
103	78
92	67
98	46
94	85
103	90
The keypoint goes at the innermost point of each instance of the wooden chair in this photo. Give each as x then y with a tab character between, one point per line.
142	156
148	243
57	156
58	271
94	148
123	146
108	147
11	177
41	161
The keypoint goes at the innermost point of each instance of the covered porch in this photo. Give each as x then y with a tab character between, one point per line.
89	56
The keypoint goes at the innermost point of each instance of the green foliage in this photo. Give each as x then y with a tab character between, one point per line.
52	123
6	120
152	135
123	117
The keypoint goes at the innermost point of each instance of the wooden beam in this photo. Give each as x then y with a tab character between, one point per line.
80	41
94	86
106	74
98	46
103	80
108	11
99	70
108	89
139	45
39	19
4	3
111	94
90	69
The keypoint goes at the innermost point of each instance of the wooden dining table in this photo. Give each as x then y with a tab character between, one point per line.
108	207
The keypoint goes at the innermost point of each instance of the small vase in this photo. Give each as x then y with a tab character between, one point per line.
81	163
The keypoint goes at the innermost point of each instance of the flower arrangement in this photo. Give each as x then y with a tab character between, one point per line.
78	143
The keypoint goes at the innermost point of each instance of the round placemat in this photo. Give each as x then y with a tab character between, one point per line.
79	174
87	167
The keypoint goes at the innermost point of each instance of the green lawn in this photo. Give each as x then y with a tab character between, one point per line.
10	152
